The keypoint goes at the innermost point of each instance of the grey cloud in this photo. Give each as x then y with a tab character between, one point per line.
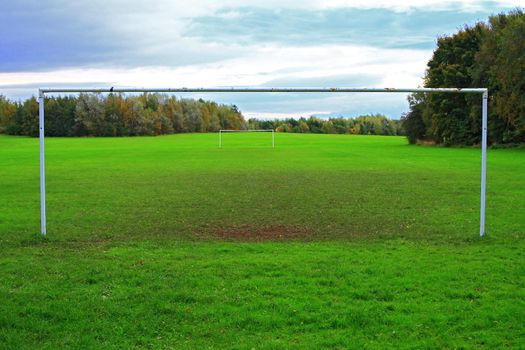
350	80
417	29
47	35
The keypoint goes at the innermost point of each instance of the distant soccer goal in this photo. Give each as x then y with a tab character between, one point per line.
258	130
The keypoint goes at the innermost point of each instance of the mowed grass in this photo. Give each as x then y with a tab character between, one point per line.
323	242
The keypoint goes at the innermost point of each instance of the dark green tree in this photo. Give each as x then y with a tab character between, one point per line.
413	122
501	66
452	64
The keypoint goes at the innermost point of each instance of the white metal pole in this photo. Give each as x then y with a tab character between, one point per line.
483	163
273	139
42	164
220	138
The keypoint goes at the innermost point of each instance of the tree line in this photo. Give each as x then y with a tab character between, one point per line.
488	55
117	115
362	125
157	114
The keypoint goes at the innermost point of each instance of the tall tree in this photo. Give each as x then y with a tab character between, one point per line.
413	121
485	55
501	67
7	114
451	65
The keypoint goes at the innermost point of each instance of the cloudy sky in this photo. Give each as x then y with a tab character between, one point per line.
198	43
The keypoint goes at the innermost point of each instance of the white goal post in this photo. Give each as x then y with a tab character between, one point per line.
256	130
481	91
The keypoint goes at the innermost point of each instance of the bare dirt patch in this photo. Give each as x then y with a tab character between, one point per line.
265	233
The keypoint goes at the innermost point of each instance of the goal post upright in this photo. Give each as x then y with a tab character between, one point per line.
41	134
482	91
483	196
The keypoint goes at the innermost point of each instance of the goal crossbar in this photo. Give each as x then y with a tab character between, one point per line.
482	91
284	89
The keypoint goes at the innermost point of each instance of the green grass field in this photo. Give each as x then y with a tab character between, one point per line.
326	241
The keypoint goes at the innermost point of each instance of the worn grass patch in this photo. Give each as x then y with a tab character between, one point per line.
267	233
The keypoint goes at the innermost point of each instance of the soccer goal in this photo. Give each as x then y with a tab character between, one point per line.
258	130
480	91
